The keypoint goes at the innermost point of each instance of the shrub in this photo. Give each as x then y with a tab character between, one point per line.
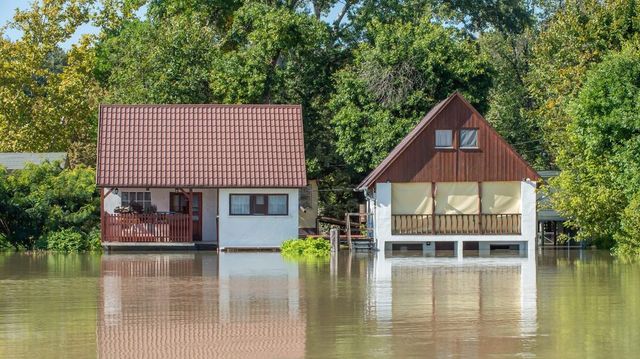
69	240
5	245
308	247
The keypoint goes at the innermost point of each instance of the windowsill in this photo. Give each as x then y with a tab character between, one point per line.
444	148
470	148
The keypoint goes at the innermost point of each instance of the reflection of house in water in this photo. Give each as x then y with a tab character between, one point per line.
430	298
194	305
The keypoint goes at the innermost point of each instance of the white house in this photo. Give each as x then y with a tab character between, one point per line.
453	183
220	174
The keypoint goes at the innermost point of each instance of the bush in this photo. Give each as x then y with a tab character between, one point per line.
42	200
5	245
308	247
69	240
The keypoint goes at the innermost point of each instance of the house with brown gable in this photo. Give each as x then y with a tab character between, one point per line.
453	183
225	175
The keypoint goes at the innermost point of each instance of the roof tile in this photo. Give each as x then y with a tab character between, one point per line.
201	146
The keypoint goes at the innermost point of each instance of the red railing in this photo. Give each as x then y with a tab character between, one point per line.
406	224
146	227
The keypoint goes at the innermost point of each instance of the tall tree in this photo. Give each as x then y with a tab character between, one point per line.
575	37
394	80
48	98
599	186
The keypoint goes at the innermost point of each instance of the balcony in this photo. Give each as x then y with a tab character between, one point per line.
452	224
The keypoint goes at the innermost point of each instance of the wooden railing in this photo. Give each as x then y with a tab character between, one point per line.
146	227
406	224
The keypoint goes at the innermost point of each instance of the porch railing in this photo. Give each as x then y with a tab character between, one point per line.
407	224
146	227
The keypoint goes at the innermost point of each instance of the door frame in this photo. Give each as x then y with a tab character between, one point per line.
200	211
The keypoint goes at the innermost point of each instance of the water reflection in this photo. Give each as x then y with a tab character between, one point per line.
191	305
568	304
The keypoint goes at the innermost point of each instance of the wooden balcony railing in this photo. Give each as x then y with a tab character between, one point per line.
406	224
146	227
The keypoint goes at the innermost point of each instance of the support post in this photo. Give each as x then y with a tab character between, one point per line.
433	208
480	208
190	215
334	239
459	250
348	228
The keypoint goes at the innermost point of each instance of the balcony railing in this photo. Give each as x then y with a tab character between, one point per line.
146	227
407	224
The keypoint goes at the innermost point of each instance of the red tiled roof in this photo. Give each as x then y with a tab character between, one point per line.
201	146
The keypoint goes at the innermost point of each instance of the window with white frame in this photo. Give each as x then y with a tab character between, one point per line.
469	138
259	204
129	199
444	138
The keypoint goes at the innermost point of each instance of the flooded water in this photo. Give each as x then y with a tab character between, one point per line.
570	304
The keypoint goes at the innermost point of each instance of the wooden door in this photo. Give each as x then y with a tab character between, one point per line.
179	203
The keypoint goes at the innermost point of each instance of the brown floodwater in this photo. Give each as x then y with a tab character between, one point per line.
566	304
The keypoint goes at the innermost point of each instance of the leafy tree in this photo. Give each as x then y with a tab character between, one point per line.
394	80
574	38
45	199
48	98
599	185
509	102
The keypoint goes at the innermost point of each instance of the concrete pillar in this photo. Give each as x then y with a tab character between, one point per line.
459	247
484	249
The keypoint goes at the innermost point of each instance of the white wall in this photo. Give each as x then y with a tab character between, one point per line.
160	197
257	231
383	210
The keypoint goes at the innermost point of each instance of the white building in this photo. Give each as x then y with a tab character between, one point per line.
220	174
453	183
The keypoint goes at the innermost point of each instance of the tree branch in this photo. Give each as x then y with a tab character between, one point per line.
343	12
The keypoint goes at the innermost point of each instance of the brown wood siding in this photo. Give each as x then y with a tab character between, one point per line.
494	160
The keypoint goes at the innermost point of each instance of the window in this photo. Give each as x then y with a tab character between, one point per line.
278	204
259	204
469	138
130	199
444	138
240	204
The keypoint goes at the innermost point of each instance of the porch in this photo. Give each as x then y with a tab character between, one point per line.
147	227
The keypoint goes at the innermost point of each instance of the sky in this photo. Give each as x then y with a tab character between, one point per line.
8	8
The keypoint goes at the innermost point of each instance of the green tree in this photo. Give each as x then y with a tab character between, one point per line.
48	98
599	185
573	39
509	101
42	200
394	80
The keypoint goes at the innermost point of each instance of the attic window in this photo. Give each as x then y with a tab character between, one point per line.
444	138
469	138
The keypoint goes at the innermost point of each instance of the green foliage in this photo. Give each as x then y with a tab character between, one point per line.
308	247
575	37
600	183
48	98
45	200
70	240
5	245
395	80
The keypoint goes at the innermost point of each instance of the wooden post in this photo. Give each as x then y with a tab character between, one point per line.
480	207
334	239
348	226
190	215
103	226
